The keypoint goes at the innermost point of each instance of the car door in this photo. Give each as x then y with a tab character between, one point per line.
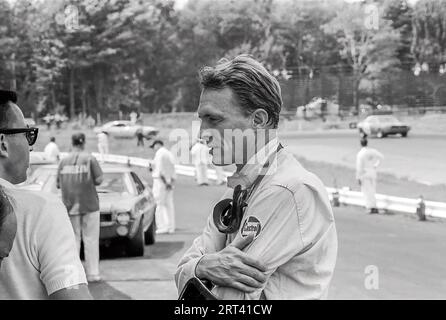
128	131
122	130
145	203
374	125
114	129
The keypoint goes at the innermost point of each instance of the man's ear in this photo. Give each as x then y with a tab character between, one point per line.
3	146
260	119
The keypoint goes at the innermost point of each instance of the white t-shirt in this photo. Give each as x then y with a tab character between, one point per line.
164	165
102	139
367	161
44	257
52	151
200	154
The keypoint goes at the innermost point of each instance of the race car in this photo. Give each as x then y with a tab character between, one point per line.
382	126
127	206
126	129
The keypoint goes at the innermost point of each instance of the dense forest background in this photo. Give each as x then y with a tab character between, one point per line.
105	56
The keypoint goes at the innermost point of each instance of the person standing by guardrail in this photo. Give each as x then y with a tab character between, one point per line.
367	162
51	151
103	144
163	179
200	159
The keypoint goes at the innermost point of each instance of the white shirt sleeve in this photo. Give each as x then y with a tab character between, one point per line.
378	155
164	163
156	165
58	259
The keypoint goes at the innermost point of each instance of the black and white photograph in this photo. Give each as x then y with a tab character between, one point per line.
209	150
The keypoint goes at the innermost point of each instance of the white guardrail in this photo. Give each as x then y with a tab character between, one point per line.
346	196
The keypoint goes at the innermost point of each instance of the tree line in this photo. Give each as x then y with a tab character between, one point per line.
105	56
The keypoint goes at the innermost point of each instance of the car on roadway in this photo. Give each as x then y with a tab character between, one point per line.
126	129
382	126
127	206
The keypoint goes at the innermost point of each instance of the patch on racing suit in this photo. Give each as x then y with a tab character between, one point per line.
251	226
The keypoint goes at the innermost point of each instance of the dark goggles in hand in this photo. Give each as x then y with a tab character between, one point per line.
228	213
30	133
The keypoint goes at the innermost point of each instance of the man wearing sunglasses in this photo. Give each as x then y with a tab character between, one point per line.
43	262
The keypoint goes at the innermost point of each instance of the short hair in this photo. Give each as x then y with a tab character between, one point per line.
6	96
254	87
5	207
53	139
154	143
78	139
364	142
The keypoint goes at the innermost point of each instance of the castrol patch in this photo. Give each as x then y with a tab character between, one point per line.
251	226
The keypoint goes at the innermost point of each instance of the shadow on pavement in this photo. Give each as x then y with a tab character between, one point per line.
103	291
160	250
164	250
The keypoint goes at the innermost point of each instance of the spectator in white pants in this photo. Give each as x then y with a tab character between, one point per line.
221	177
200	159
163	179
77	176
51	151
103	144
367	162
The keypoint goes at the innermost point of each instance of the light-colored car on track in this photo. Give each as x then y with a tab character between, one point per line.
382	126
126	129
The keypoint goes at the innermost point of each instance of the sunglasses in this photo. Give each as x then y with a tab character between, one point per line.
30	133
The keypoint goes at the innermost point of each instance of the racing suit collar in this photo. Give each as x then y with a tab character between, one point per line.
6	184
248	174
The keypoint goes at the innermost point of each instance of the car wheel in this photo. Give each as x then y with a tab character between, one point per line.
379	134
404	134
149	236
135	246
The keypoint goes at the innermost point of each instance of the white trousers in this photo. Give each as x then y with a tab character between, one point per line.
221	178
201	173
165	210
368	188
86	227
103	149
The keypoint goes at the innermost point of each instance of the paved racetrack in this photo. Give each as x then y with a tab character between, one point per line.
418	157
409	255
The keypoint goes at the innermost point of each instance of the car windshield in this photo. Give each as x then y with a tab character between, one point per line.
115	183
388	119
